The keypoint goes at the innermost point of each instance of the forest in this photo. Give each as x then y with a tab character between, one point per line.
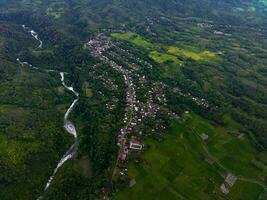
195	69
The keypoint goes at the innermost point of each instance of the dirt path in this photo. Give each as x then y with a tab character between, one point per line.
214	159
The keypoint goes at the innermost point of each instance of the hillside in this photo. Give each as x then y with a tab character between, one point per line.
133	99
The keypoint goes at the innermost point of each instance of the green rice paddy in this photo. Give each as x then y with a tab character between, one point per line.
134	39
162	54
180	168
204	55
163	58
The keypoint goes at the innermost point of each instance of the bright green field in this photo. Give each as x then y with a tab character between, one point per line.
123	36
204	55
169	54
237	155
133	38
180	168
163	58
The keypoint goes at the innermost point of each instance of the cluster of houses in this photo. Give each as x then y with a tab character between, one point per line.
98	47
128	145
103	78
136	111
199	101
221	33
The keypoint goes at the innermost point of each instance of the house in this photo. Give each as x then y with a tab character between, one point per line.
123	156
204	136
123	153
136	145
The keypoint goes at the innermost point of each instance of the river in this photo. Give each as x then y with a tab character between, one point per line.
67	124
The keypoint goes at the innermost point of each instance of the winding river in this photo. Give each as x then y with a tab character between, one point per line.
68	125
70	128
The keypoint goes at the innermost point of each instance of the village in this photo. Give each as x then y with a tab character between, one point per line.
129	137
139	108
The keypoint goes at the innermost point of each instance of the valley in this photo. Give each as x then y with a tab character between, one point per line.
133	100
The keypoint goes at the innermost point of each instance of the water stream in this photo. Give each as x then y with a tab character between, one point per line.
34	34
68	125
70	128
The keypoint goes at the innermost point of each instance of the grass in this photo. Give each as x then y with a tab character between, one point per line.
178	167
123	36
15	152
83	166
245	191
169	63
162	54
42	52
169	170
235	154
87	90
56	9
139	41
163	58
204	55
134	39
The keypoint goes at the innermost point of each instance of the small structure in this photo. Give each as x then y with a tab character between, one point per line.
132	183
204	136
123	156
230	179
224	189
241	136
136	145
228	183
123	171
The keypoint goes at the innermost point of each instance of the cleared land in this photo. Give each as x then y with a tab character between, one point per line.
163	58
180	168
133	38
204	55
165	55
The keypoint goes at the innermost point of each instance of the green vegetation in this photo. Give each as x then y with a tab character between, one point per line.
204	57
55	10
124	36
167	169
133	38
172	53
243	190
231	148
164	58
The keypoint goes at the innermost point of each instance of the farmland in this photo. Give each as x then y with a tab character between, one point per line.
141	99
167	168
